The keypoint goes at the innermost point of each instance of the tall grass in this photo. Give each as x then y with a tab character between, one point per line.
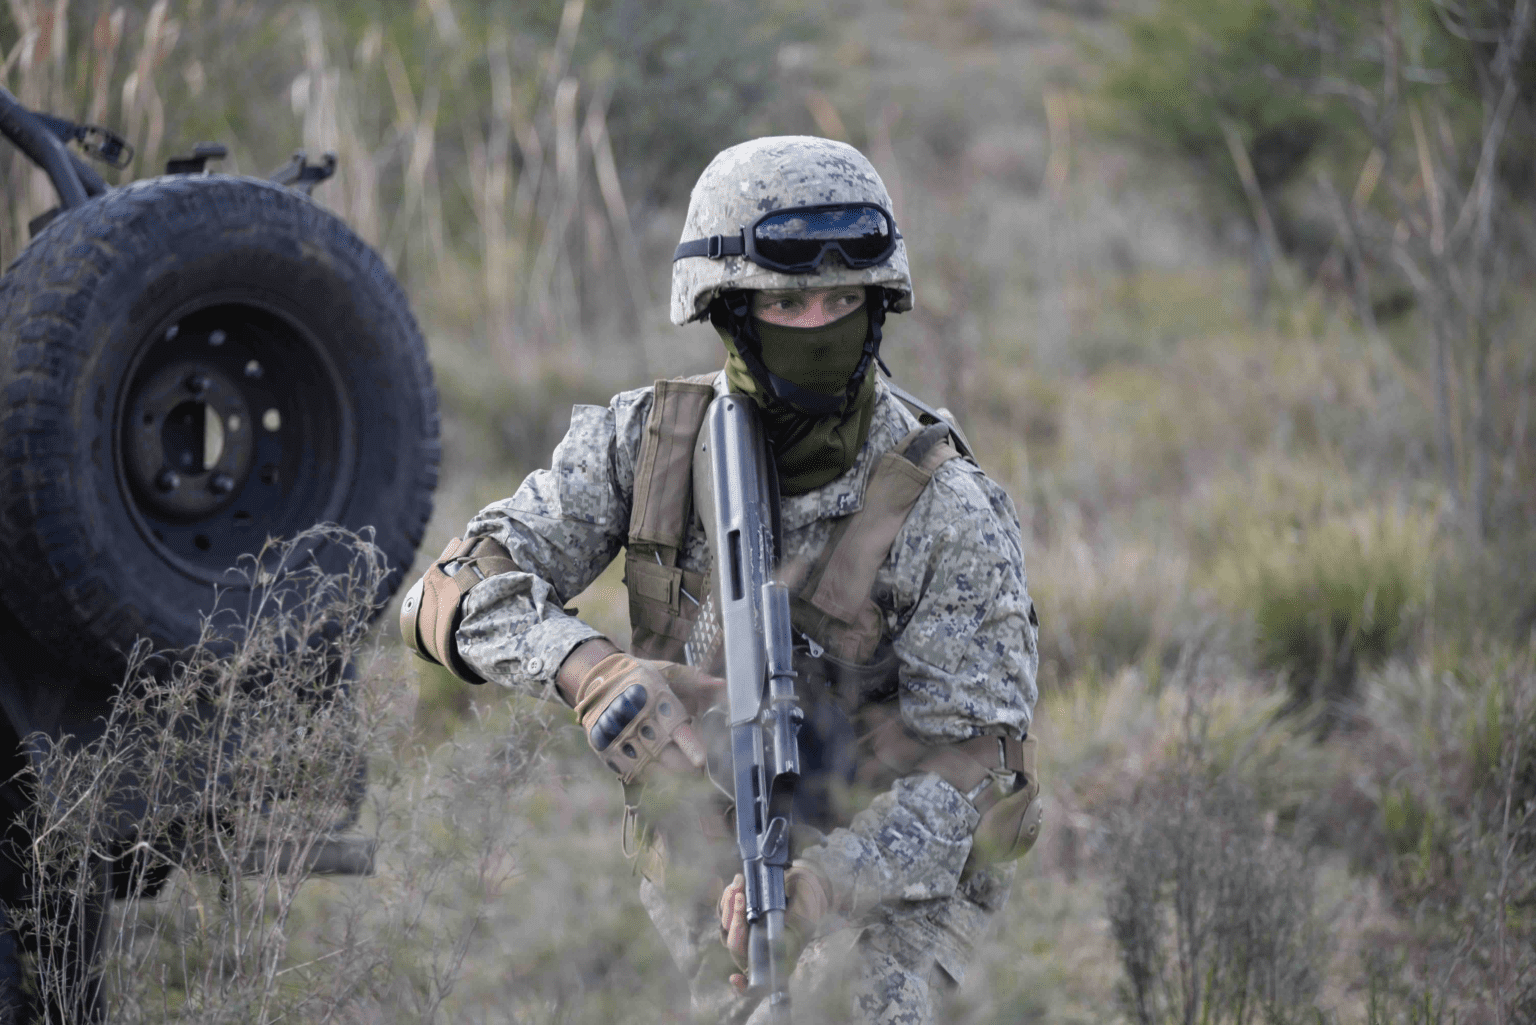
1334	597
488	182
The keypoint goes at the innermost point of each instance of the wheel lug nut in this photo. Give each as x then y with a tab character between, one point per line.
221	484
168	480
197	383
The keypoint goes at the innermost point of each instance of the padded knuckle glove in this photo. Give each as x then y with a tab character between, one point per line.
630	713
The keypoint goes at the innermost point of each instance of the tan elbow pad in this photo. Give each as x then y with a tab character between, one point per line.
430	613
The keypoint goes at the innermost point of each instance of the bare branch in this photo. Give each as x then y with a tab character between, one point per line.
1506	61
1251	187
1350	238
1431	184
1477	209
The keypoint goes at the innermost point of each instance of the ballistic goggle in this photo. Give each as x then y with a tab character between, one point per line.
796	240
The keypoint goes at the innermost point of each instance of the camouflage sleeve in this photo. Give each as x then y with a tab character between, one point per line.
964	631
910	844
562	528
960	613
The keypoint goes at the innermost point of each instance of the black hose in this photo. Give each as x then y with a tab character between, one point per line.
43	149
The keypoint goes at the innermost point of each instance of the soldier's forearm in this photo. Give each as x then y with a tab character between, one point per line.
911	843
518	635
578	664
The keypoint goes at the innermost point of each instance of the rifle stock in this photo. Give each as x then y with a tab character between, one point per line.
737	498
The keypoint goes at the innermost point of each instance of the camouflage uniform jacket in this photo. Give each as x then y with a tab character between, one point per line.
952	594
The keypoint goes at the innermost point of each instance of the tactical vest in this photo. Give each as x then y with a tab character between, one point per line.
849	658
831	604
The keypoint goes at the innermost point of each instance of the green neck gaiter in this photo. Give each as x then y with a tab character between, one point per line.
810	451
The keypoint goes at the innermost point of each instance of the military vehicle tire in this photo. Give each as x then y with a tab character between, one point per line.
193	364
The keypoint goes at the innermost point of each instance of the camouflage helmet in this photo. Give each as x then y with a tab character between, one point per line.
780	172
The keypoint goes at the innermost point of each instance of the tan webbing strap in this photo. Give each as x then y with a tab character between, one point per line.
888	751
664	474
663	597
997	775
967	764
862	542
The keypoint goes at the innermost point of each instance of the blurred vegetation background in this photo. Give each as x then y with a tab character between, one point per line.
1228	293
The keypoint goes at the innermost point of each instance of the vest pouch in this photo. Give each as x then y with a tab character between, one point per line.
1009	828
663	604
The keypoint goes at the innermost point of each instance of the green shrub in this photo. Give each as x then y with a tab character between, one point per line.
1333	597
1488	591
1192	64
1418	838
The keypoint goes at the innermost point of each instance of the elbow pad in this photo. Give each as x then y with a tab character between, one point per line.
432	608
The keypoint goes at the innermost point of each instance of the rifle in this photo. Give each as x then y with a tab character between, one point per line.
738	499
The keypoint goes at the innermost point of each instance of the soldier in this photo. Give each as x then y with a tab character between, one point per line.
915	634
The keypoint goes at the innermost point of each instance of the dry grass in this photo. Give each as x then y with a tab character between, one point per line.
232	775
1214	919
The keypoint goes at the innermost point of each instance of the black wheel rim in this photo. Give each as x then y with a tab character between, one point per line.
233	426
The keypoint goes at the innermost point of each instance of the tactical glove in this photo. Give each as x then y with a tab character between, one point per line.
632	709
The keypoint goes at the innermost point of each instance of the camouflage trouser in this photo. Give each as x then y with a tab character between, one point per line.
894	969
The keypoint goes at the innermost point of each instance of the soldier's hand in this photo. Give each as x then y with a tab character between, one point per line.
733	927
698	692
808	899
636	713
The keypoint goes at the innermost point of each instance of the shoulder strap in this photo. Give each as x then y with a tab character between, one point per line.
928	415
840	586
663	495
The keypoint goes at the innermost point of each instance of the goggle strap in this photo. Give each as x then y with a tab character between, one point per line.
714	247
